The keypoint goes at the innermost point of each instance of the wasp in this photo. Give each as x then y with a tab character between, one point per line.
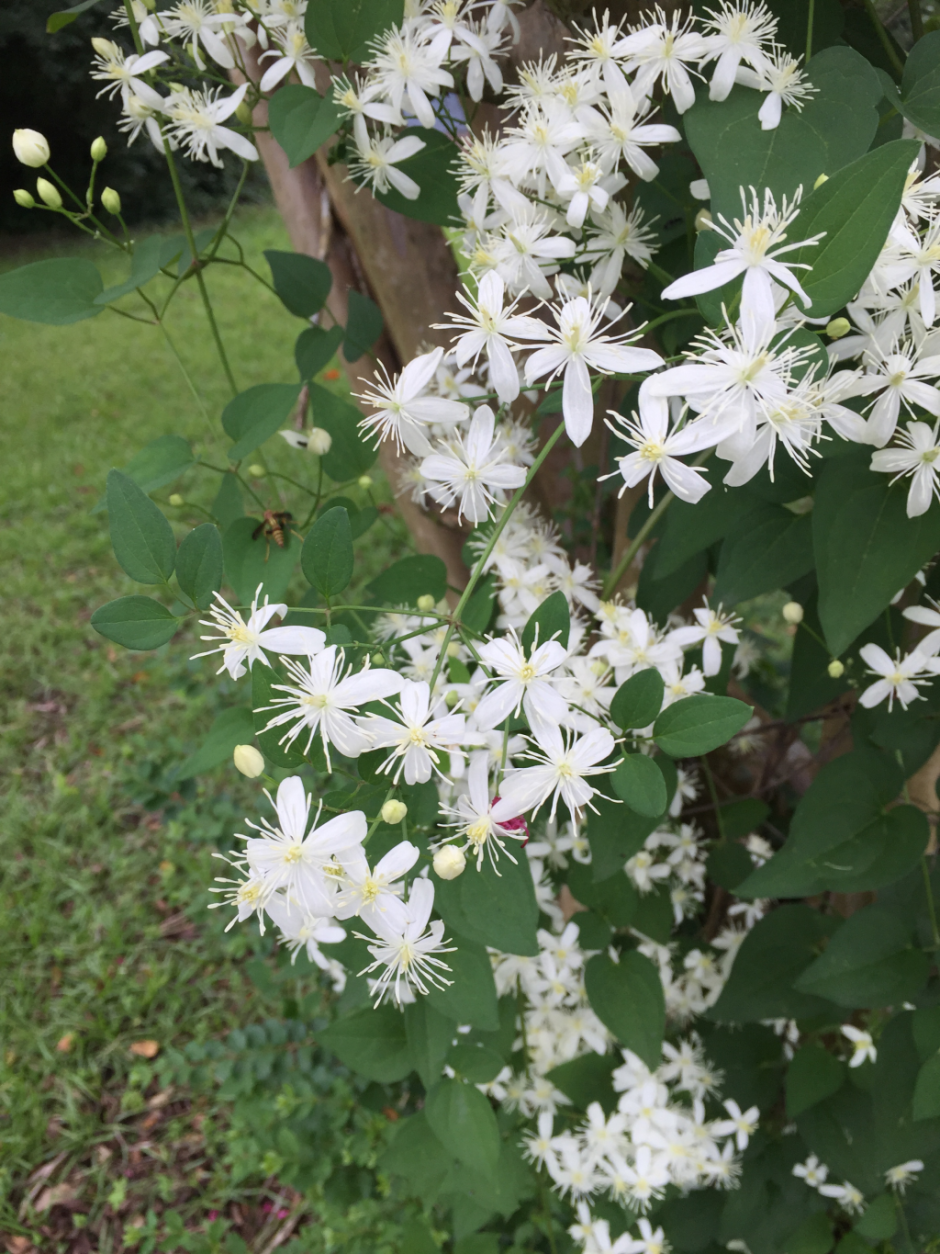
276	526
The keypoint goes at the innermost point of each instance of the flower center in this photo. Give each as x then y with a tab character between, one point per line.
527	672
477	832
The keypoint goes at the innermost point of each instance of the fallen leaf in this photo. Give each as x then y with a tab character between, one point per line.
55	1196
161	1099
18	1245
65	1043
145	1049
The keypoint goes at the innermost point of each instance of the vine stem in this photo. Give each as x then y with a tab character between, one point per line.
917	19
883	36
634	547
809	29
491	545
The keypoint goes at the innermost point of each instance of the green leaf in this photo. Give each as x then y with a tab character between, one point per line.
463	1121
696	725
252	559
372	1042
58	291
341	29
301	120
303	283
471	998
813	1236
639	782
327	555
690	529
228	504
880	1220
136	622
360	520
262	694
146	262
232	727
416	1154
429	1038
363	325
553	620
927	1090
770	549
158	463
813	1075
728	865
475	1062
867	549
315	348
638	701
434	170
775	951
140	535
478	611
920	87
855	208
408	579
256	414
613	900
588	1079
615	835
497	910
199	564
628	999
869	962
350	455
64	17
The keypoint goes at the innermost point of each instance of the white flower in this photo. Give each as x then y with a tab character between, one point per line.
622	133
404	409
648	1242
539	1147
899	677
927	618
373	894
321	696
740	32
293	54
376	160
863	1047
899	1177
581	187
473	471
564	763
579	345
917	457
418	739
525	253
847	1195
300	929
920	262
242	642
195	22
900	375
618	235
484	825
757	243
527	684
478	49
713	626
656	448
408	953
409	71
122	73
812	1171
740	1125
662	51
784	82
490	328
361	101
196	119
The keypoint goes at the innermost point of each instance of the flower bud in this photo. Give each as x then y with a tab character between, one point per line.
176	500
836	669
104	47
243	113
449	862
823	178
248	760
111	201
377	658
319	441
49	193
453	649
703	220
425	602
256	471
792	613
838	327
30	148
393	812
451	698
365	482
99	149
23	198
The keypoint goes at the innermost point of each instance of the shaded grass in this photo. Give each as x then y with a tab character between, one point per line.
105	857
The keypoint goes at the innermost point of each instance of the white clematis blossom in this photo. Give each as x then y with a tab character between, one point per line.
472	471
241	642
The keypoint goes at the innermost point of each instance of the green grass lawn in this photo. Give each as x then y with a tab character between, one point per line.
105	861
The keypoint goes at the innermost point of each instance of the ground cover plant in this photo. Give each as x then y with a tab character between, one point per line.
618	960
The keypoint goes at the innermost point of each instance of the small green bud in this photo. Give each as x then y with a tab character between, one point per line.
792	613
823	178
838	327
49	193
99	149
426	602
378	659
703	220
243	113
256	471
836	669
111	201
23	198
453	649
176	500
393	812
451	698
365	482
